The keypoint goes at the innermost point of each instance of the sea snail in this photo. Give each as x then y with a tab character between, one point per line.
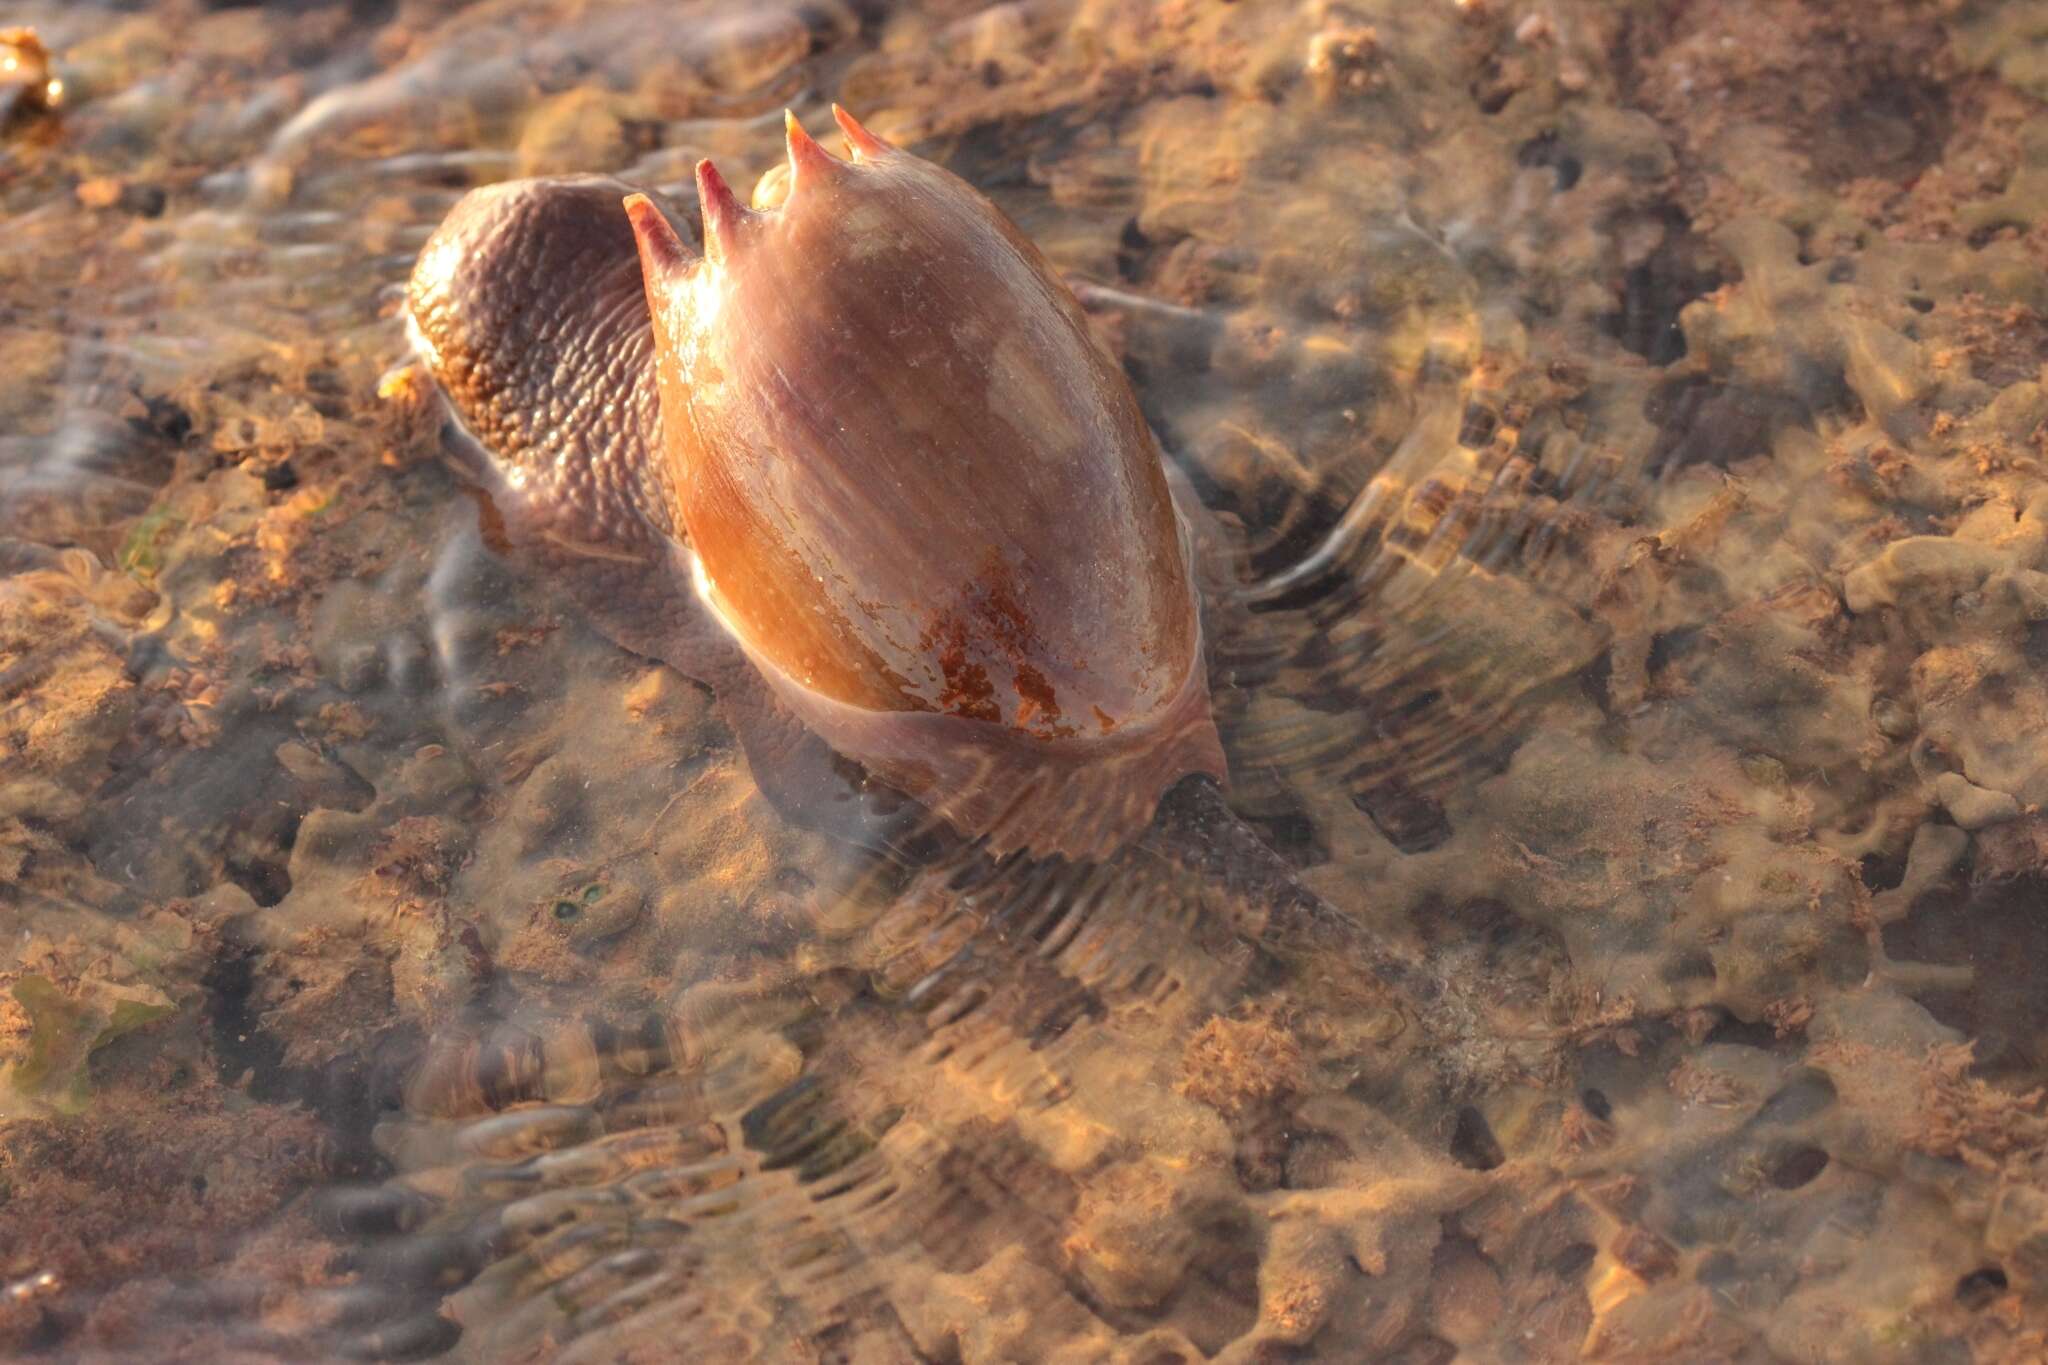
864	443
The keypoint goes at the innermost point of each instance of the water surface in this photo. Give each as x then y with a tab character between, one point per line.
1631	421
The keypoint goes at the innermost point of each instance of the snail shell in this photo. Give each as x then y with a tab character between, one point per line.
916	494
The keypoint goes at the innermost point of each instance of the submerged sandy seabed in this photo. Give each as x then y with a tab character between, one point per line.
1633	414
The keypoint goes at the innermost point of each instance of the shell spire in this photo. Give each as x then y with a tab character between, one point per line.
859	141
662	253
723	212
806	157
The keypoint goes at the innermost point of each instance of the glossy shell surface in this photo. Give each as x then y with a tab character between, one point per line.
913	479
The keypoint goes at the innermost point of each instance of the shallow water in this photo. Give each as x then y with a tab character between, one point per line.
1629	421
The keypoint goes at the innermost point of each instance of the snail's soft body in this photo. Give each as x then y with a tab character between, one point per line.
865	443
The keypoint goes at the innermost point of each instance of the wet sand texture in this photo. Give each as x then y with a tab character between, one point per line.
1630	423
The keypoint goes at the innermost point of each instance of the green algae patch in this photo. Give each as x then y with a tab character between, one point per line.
141	552
63	1034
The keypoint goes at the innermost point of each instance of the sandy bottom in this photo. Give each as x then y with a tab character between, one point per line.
1630	427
